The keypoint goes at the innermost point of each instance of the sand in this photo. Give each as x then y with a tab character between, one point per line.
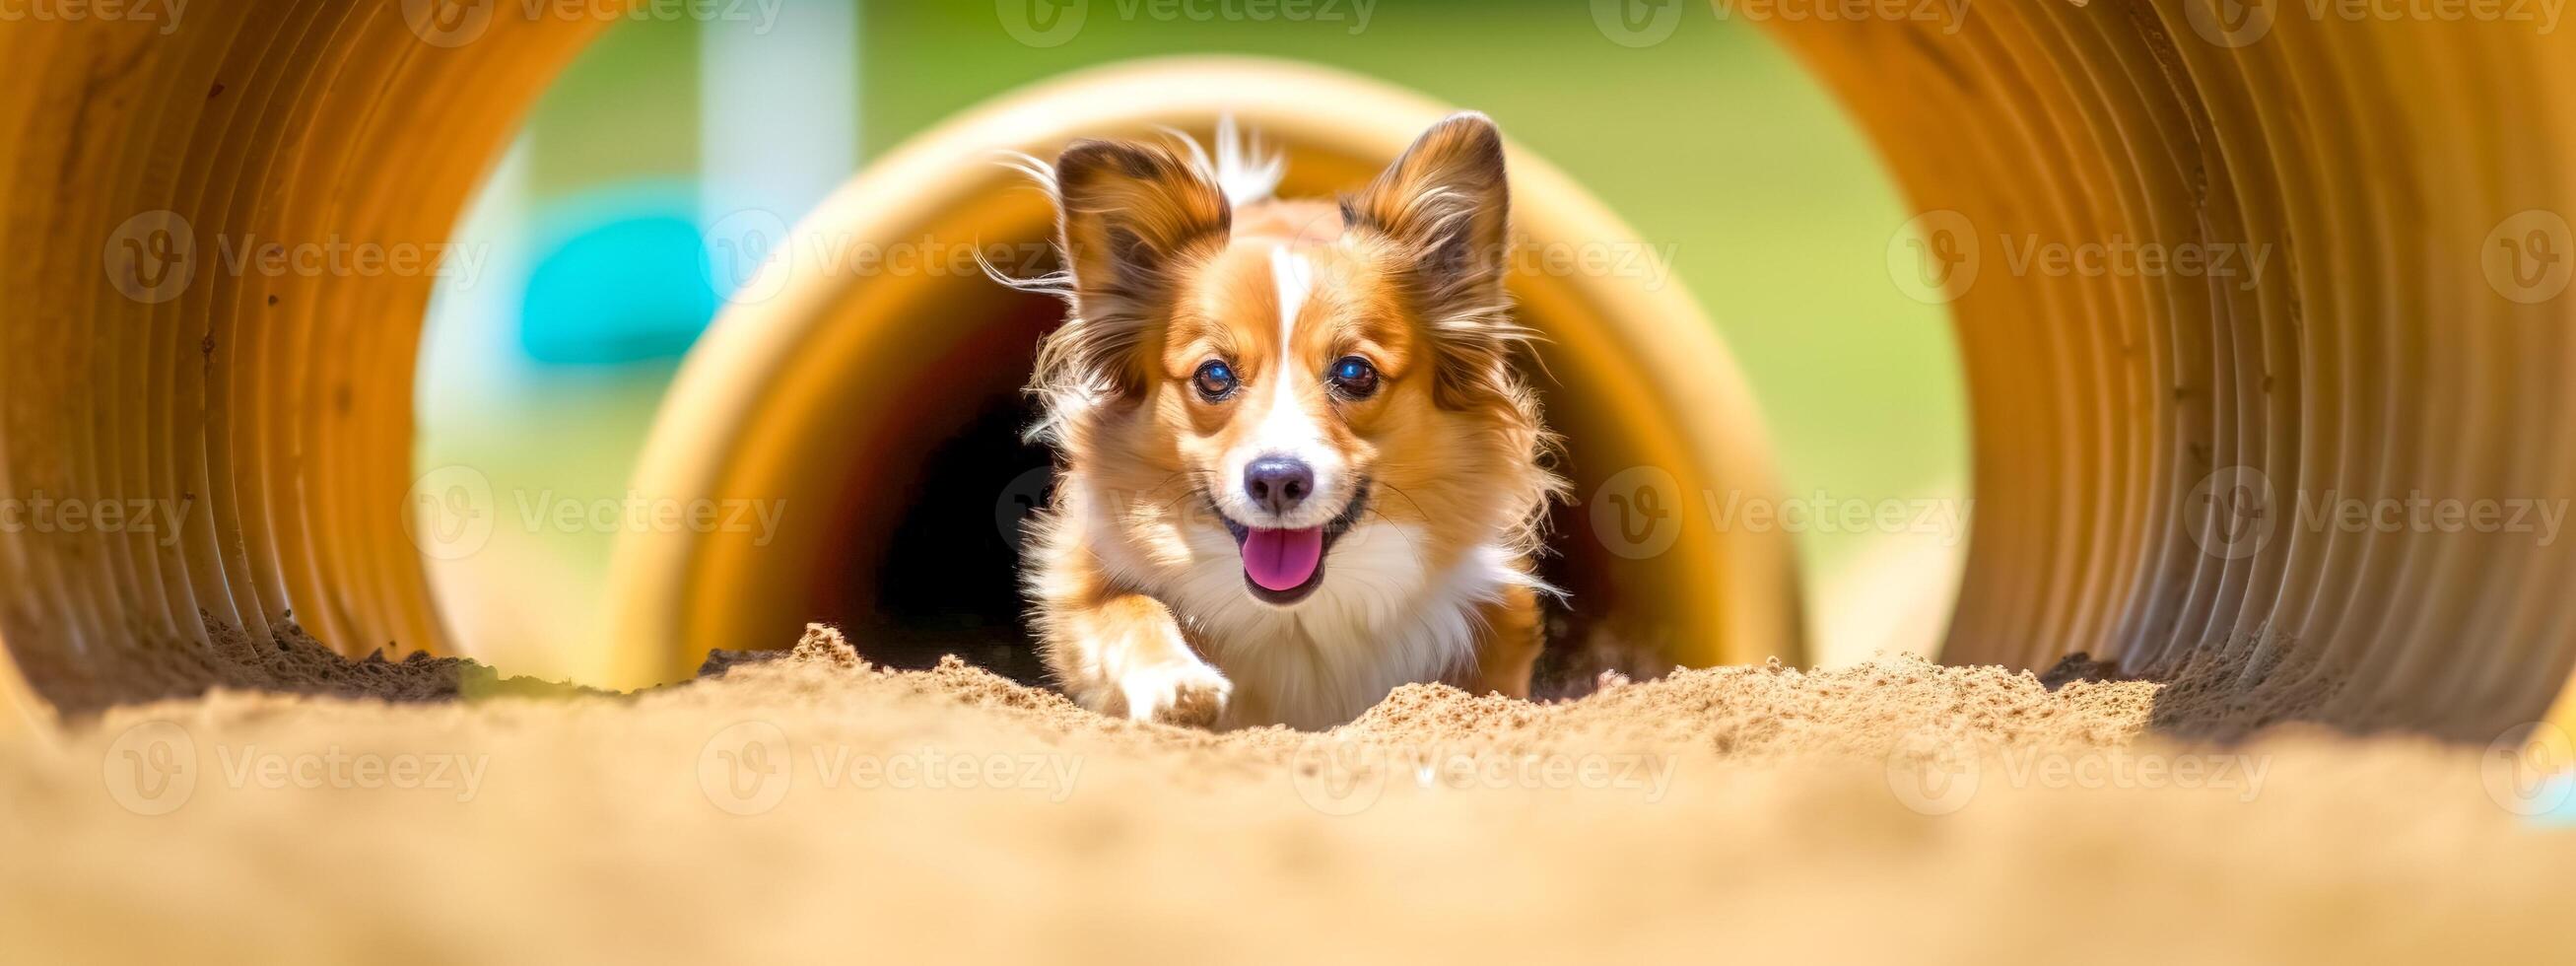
806	805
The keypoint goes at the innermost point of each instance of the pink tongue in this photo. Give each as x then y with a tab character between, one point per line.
1282	559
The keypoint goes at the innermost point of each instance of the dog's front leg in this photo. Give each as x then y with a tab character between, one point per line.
1123	654
1508	649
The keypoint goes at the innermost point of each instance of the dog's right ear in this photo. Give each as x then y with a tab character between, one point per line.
1131	215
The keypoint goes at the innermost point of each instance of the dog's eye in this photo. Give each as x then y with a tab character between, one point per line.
1215	379
1354	377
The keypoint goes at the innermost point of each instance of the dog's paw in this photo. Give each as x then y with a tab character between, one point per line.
1179	693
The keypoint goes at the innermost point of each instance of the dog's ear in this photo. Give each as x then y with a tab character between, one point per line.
1447	202
1130	214
1445	206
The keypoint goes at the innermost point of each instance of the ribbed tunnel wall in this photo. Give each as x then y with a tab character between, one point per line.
2390	351
2145	446
271	412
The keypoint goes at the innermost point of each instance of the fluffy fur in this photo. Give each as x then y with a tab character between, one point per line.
1433	482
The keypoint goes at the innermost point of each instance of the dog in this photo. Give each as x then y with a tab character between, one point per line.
1298	464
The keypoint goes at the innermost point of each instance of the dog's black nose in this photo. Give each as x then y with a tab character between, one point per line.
1278	483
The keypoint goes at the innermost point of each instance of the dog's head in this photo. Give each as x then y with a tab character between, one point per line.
1269	389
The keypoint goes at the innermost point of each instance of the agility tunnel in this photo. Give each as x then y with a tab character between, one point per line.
836	385
2143	441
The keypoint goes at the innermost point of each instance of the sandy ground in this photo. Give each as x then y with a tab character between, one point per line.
810	806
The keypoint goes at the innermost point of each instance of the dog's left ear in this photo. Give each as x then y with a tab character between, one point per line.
1446	200
1446	206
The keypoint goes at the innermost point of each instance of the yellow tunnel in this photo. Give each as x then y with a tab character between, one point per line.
835	375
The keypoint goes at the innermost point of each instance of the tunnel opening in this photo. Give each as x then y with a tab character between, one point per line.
927	544
880	411
927	535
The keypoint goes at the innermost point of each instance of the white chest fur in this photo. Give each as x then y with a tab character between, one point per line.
1383	617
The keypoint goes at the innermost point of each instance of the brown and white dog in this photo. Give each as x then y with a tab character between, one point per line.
1300	466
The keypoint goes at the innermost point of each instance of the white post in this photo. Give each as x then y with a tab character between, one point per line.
778	95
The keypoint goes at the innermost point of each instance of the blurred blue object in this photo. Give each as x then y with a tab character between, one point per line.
620	278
